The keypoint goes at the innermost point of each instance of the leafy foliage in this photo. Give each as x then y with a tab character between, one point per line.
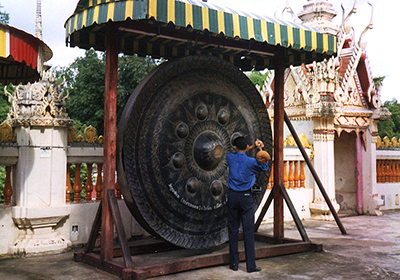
4	105
379	80
4	16
257	77
391	128
85	84
85	79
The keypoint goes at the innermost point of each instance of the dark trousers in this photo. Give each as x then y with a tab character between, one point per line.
241	209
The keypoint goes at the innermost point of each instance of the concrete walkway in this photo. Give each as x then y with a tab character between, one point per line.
371	250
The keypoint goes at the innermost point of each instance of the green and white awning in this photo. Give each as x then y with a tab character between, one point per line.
176	28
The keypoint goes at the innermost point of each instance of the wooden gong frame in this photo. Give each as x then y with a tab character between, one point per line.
108	214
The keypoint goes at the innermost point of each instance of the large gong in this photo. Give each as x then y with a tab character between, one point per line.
174	134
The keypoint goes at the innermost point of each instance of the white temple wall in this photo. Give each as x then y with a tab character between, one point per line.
42	161
78	225
371	201
8	231
387	194
300	198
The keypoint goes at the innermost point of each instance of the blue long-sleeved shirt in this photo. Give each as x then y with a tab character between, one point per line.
242	170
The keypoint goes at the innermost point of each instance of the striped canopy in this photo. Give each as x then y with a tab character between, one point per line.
22	56
177	28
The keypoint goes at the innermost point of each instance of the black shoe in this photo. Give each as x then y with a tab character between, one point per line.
234	267
254	269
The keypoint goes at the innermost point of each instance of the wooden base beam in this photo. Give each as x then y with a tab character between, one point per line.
174	264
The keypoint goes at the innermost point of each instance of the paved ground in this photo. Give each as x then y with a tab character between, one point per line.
371	250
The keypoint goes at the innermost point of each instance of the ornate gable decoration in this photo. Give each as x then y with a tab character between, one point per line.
39	104
340	88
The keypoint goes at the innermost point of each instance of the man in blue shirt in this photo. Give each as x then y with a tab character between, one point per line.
242	176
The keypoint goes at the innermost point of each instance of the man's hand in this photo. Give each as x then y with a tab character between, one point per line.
259	144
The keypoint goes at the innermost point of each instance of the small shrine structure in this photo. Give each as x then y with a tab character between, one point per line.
337	105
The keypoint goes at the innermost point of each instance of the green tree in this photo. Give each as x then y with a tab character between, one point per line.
379	80
132	70
391	127
4	105
85	79
257	77
85	84
4	16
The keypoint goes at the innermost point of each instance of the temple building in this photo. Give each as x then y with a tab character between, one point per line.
337	105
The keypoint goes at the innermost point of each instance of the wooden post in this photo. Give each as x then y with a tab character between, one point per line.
314	173
278	141
110	138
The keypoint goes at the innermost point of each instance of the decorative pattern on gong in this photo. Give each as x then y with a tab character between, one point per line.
178	133
196	141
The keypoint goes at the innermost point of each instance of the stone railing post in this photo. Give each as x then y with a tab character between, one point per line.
8	191
271	177
77	183
68	184
296	174
302	175
291	175
285	175
99	181
89	184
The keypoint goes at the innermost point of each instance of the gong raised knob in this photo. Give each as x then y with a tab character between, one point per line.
208	150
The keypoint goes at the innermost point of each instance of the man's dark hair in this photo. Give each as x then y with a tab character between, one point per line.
240	143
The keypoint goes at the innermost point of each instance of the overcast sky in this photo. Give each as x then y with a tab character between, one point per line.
383	38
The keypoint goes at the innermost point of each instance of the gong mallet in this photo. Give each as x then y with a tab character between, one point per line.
262	156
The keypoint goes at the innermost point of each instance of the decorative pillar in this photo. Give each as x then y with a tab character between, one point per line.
370	195
324	164
359	174
40	122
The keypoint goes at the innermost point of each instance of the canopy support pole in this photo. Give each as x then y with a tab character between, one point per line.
110	138
314	173
278	142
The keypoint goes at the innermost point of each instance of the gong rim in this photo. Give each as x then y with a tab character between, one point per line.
172	169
